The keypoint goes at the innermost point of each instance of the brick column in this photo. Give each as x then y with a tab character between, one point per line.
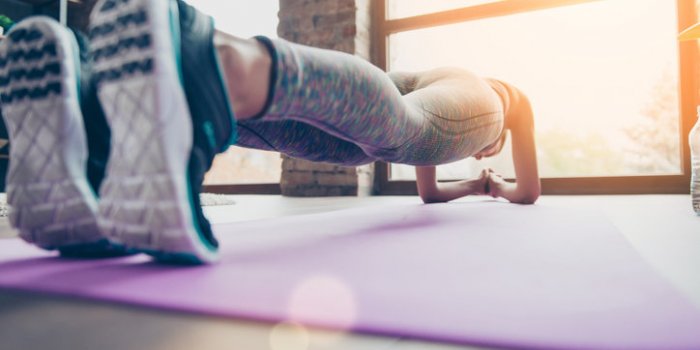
342	25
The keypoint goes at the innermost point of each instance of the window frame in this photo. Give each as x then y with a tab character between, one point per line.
267	188
261	188
643	184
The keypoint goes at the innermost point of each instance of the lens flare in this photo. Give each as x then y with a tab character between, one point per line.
323	300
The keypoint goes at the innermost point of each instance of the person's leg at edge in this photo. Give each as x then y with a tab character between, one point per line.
249	71
349	99
157	76
247	67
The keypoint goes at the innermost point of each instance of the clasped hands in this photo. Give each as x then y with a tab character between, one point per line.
490	183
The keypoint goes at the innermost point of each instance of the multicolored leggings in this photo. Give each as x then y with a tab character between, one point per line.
333	107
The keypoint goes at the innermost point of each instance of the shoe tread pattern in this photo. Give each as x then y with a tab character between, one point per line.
143	201
50	200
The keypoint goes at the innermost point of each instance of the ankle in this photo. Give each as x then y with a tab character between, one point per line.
246	66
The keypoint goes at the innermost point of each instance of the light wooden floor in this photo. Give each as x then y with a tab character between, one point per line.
661	227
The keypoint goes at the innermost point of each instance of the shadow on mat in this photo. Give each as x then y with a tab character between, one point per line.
314	234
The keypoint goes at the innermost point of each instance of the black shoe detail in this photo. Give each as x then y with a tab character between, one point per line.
140	42
136	19
212	118
53	68
97	130
32	93
112	4
130	68
47	50
25	35
99	250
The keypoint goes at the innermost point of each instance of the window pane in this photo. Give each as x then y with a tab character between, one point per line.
409	8
244	166
243	19
602	78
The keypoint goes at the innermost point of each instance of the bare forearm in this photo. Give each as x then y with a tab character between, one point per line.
447	191
431	191
517	194
527	186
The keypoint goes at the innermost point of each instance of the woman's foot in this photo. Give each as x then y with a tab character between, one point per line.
160	85
52	202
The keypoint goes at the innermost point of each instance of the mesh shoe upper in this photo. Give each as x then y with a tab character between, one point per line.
212	117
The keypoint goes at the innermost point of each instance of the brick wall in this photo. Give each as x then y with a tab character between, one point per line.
342	25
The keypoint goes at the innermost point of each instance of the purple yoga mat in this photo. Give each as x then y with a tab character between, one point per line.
485	273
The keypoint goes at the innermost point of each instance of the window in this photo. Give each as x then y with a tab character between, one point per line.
403	8
241	169
605	78
244	166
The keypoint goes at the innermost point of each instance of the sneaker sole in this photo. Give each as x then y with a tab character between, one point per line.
51	202
145	200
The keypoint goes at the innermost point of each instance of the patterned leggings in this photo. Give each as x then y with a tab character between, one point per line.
333	107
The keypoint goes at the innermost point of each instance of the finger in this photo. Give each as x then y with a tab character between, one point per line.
493	190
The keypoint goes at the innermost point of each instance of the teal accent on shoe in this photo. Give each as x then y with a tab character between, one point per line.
209	130
175	31
76	63
233	138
